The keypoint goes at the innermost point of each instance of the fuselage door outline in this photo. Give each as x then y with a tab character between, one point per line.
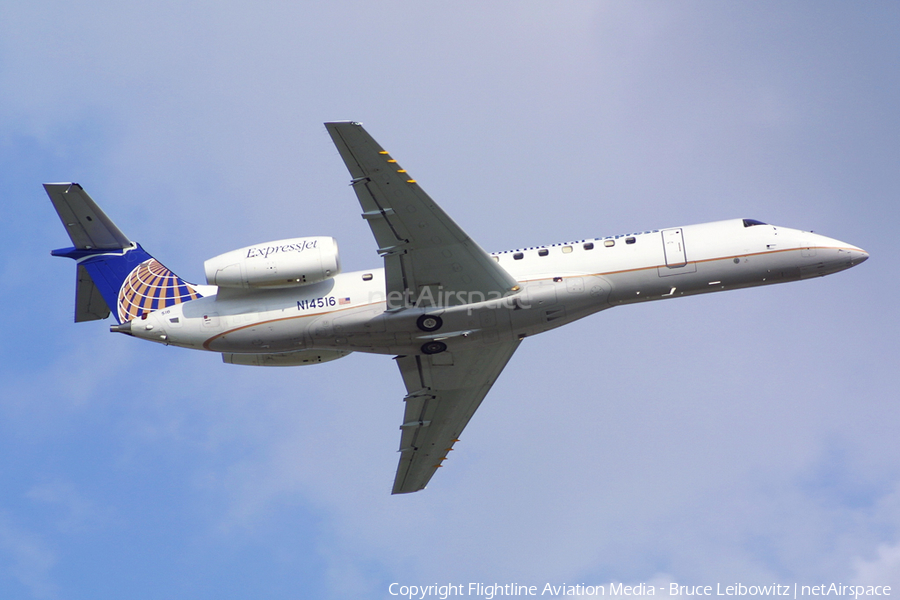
673	246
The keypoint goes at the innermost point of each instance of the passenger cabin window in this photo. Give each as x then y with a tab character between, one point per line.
589	246
752	222
518	256
367	277
630	240
543	252
609	243
566	249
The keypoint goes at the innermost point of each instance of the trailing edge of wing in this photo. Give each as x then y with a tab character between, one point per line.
423	248
443	392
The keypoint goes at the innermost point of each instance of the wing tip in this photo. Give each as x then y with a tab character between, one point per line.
399	491
61	184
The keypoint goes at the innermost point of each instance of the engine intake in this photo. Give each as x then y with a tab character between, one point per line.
279	264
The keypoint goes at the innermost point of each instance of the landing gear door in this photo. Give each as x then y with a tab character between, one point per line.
673	244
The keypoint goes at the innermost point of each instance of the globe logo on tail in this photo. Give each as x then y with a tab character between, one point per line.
149	287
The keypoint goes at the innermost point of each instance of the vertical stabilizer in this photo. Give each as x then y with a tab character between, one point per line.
114	273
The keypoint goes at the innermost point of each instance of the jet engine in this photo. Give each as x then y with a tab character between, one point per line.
278	264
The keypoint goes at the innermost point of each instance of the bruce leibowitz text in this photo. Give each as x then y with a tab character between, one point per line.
490	591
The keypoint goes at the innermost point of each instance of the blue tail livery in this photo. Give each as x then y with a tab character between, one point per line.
113	271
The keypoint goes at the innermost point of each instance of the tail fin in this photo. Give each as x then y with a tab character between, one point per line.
113	272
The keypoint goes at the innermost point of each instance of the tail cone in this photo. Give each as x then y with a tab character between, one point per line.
123	328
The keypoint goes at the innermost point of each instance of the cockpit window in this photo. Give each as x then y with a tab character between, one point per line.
752	222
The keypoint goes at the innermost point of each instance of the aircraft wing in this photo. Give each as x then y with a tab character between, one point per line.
425	252
443	392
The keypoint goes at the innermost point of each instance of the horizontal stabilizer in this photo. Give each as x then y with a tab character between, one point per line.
87	225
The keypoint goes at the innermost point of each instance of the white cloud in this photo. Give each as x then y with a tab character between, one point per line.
747	434
27	558
78	513
883	569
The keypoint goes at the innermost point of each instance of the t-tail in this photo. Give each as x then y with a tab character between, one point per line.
114	274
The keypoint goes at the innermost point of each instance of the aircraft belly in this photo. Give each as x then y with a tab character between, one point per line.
281	330
362	329
271	336
548	304
712	275
462	327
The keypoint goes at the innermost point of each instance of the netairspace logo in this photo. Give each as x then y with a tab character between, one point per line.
490	591
442	298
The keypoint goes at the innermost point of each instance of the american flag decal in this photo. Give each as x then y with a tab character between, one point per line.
344	301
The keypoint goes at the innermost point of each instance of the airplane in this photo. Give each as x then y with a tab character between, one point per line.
450	313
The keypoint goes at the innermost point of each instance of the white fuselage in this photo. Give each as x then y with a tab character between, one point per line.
558	284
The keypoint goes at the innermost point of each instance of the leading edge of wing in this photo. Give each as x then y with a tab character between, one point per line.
423	248
443	392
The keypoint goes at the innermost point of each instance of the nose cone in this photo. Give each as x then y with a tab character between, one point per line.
849	252
837	255
857	255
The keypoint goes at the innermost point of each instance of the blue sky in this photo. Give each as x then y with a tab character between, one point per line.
747	436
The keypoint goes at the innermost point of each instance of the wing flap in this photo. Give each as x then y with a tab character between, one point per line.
443	392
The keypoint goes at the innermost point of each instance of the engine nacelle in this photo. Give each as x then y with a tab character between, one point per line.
278	264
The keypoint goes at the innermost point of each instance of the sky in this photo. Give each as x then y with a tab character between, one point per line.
745	437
